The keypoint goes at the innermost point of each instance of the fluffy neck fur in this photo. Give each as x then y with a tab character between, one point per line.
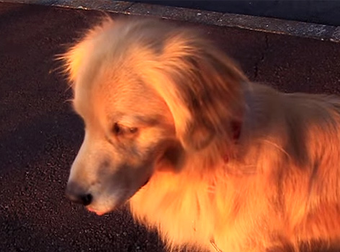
239	204
202	199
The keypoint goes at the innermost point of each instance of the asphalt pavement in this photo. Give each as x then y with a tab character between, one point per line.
40	134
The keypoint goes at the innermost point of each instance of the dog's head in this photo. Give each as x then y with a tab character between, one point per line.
148	94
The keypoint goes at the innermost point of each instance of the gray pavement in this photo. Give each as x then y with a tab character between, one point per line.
311	11
40	135
201	16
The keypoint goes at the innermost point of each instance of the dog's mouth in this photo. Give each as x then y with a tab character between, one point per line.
99	213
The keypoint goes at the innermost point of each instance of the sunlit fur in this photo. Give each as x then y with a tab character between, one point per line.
275	185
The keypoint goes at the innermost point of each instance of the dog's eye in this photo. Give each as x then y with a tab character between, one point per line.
117	130
120	130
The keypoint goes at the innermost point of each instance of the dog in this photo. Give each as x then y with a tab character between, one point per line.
211	160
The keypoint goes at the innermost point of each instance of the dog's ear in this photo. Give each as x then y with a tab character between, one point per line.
74	58
202	88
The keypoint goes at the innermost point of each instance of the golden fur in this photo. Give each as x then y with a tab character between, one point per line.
161	102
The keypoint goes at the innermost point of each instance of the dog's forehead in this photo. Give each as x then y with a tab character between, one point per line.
134	102
119	96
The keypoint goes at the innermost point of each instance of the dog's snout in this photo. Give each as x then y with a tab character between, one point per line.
77	195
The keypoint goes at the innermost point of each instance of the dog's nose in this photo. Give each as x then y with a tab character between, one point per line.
75	194
85	199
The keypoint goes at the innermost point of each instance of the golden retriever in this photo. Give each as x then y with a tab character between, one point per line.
212	161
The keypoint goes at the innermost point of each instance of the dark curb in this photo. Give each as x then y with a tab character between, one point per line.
263	24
